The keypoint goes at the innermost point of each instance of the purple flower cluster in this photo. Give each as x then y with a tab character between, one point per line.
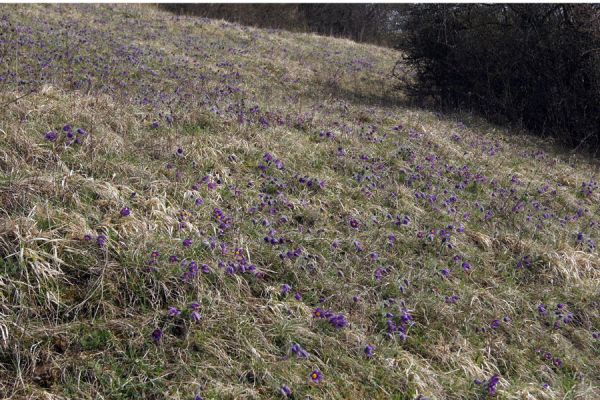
327	135
399	324
270	160
490	385
549	358
100	239
337	321
224	221
291	254
271	239
562	317
71	136
591	244
588	188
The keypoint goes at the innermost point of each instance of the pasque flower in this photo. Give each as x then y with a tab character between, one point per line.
298	351
51	136
286	391
316	376
157	335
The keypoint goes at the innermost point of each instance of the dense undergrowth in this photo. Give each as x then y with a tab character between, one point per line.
192	208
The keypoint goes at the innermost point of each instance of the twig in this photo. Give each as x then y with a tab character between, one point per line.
17	99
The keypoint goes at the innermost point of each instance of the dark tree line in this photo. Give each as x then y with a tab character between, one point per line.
361	22
537	65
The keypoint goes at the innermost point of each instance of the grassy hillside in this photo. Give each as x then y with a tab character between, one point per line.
195	209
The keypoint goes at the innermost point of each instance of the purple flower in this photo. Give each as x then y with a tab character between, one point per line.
173	312
542	309
157	335
173	259
51	136
524	262
179	152
199	201
358	246
125	212
495	324
369	351
298	351
391	239
285	288
154	125
87	238
286	391
196	316
316	376
557	362
338	321
187	242
101	241
298	296
193	268
491	385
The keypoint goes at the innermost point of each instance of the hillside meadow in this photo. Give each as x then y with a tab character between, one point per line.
195	209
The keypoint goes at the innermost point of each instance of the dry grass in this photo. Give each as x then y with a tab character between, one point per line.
76	318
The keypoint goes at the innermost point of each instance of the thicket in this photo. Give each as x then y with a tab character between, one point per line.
537	66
